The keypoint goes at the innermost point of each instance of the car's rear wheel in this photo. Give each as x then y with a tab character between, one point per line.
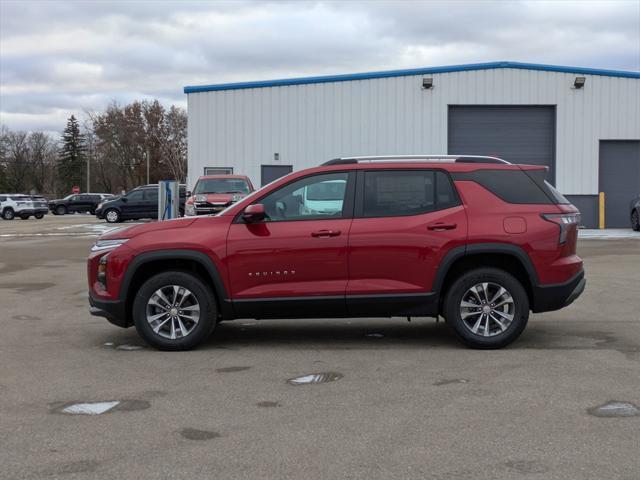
487	308
24	217
8	214
61	210
635	220
39	216
174	310
112	215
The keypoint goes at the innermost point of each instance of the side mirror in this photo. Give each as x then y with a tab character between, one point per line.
125	199
254	213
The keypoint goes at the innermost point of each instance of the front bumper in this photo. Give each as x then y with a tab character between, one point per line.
113	310
547	298
210	208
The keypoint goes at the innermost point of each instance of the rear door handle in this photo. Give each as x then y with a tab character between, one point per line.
325	233
439	227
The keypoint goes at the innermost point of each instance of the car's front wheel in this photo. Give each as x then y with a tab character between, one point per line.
112	215
487	308
39	216
24	217
61	210
174	310
635	220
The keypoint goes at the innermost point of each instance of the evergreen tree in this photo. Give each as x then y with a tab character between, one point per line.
72	158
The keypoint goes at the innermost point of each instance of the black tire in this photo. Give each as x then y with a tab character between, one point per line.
92	212
8	214
39	216
61	210
202	293
456	292
112	216
635	220
24	217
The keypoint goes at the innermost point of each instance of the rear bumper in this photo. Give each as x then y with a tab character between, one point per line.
554	297
113	310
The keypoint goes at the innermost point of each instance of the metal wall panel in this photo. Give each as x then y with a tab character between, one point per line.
309	124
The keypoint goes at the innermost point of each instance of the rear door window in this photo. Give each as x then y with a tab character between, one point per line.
389	193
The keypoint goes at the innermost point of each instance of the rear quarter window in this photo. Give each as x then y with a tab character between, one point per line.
512	186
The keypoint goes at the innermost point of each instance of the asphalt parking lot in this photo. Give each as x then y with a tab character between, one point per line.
406	401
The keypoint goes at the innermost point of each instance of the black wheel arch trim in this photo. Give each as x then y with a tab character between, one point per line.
476	248
226	307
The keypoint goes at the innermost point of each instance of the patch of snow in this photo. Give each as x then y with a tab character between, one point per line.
95	408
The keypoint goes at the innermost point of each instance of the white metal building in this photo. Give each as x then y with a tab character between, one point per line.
583	123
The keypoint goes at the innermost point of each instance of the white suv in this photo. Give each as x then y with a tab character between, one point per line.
23	206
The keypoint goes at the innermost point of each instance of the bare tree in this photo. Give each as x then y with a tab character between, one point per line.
42	157
17	163
174	147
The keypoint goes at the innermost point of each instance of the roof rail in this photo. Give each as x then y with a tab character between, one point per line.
416	158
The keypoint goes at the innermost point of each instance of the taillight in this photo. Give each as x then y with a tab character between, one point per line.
564	220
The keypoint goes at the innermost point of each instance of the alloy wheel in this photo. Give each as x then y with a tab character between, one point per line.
112	216
173	312
487	309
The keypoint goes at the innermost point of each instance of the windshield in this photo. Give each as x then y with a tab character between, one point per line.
221	185
326	191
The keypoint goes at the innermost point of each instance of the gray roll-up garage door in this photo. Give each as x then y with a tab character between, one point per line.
619	179
518	134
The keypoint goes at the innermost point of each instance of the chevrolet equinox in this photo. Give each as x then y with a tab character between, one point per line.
477	240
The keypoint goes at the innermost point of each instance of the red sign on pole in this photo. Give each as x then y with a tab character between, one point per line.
75	189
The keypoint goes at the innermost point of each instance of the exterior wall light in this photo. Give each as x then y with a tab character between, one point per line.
578	83
427	83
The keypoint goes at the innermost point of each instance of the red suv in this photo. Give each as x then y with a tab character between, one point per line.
214	193
475	239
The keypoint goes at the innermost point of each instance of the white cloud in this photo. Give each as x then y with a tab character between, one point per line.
63	57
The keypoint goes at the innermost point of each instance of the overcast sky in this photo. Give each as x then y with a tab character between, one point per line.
63	57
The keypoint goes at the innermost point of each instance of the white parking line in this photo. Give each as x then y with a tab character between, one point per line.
69	234
609	233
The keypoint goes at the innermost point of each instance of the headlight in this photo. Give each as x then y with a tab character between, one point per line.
99	206
201	198
237	196
102	271
107	244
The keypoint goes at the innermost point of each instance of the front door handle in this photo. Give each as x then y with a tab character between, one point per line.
325	233
439	227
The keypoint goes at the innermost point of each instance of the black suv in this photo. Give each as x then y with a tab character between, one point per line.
141	202
79	202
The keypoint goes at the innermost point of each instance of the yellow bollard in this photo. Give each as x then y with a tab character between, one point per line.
601	198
